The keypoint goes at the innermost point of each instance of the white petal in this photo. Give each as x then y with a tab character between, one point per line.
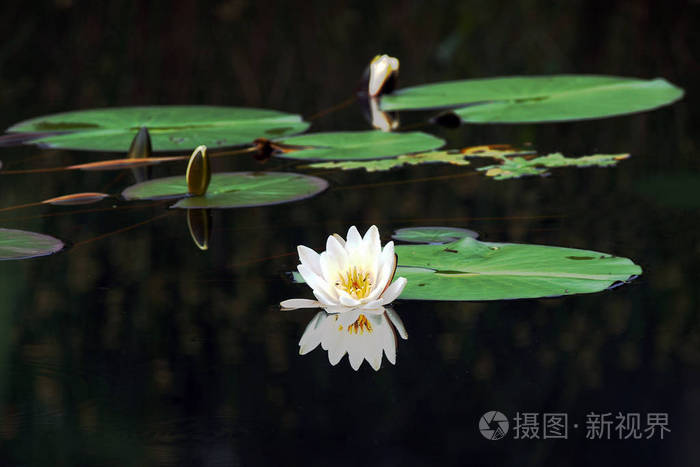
379	71
309	258
387	262
355	353
347	318
334	309
340	239
354	241
389	343
317	284
325	299
372	242
334	260
337	349
373	310
347	300
294	303
312	334
394	290
397	322
374	354
329	332
336	248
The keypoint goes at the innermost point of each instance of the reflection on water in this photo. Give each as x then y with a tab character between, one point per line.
385	121
362	337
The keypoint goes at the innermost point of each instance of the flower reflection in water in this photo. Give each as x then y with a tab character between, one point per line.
362	337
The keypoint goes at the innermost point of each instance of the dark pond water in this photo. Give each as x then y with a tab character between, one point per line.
133	347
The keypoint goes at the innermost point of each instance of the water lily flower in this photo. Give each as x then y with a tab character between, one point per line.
383	74
366	339
351	278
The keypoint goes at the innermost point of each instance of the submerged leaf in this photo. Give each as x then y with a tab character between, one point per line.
21	244
232	190
520	99
388	164
357	145
512	162
432	235
516	167
170	127
468	269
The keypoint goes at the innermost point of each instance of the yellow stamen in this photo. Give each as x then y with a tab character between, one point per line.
358	284
360	326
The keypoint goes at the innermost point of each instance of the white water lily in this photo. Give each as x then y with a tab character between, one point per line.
383	71
367	338
351	277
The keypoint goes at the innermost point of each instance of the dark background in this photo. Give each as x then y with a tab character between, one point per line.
136	348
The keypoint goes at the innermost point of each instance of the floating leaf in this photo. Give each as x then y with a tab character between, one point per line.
232	189
170	127
522	99
432	235
76	199
20	244
119	164
516	167
388	164
198	172
357	145
468	269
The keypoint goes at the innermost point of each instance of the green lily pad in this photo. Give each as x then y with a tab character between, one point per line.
231	190
357	145
171	128
395	162
21	244
521	99
468	269
432	235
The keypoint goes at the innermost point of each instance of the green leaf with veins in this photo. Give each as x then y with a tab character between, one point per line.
231	190
523	99
171	128
357	145
468	269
